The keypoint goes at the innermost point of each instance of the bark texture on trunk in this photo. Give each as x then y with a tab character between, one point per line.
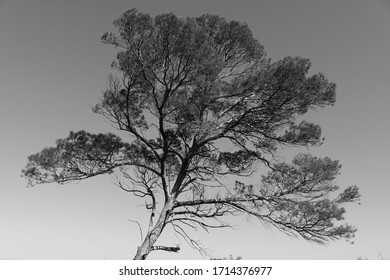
152	236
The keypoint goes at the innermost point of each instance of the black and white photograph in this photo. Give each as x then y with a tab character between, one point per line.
194	130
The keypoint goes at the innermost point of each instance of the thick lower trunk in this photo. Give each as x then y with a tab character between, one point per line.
152	236
143	250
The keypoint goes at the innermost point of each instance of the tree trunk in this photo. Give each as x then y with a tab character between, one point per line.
152	236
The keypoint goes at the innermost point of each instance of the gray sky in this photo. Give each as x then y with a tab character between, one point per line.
53	68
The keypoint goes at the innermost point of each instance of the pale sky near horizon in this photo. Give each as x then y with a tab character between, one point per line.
53	68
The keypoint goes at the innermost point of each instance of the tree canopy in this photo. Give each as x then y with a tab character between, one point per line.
206	109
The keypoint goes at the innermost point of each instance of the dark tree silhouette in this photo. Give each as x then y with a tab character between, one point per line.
205	107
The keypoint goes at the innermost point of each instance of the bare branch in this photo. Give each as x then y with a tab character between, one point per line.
140	229
165	248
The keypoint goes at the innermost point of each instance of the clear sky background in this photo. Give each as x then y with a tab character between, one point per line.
53	68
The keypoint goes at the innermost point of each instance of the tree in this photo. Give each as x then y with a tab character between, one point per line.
205	107
230	258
